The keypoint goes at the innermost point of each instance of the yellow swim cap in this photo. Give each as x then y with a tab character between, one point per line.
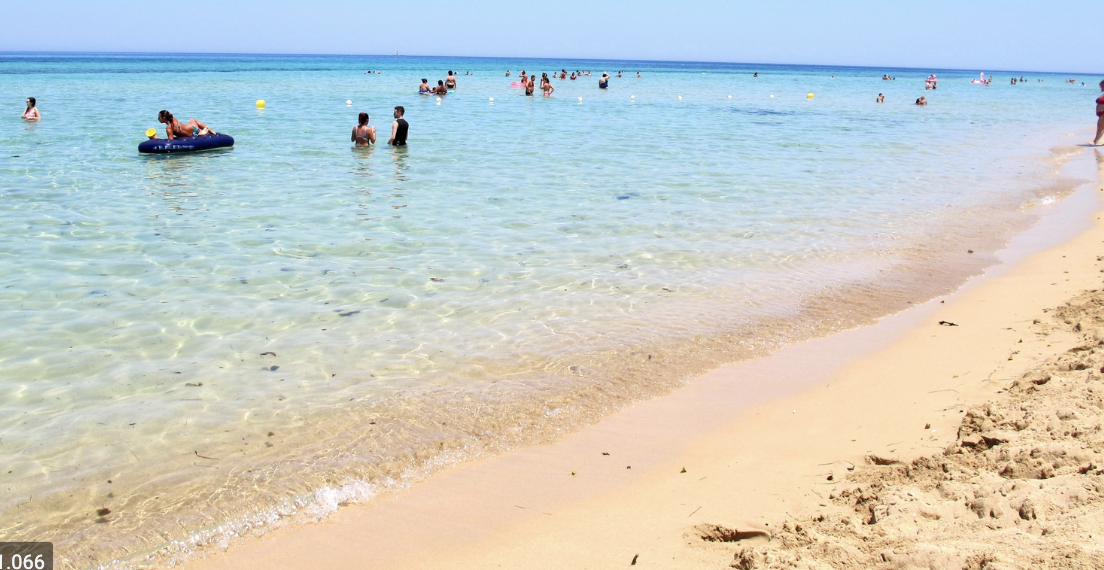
260	103
151	132
809	96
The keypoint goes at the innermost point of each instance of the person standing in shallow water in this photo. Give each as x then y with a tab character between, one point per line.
31	114
364	135
450	81
399	128
1099	116
881	98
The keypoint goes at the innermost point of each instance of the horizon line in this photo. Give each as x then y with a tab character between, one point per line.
282	54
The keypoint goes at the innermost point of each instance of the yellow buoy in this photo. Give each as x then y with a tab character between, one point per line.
151	133
809	96
260	103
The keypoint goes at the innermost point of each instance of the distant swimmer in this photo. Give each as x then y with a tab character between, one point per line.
881	98
529	87
618	74
1099	116
638	74
363	135
507	73
756	74
175	128
450	81
921	101
424	88
573	76
603	82
31	114
399	128
524	77
440	89
548	89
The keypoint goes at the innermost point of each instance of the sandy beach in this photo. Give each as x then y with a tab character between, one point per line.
964	432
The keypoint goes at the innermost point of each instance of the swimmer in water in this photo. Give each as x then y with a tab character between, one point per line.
363	135
529	88
507	73
450	81
638	74
31	114
440	89
603	82
573	76
424	88
399	128
921	101
548	89
1099	116
524	78
756	74
175	128
881	98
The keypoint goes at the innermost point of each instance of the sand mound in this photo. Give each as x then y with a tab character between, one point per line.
1022	487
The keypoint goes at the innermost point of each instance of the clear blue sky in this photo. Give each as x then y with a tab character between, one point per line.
1059	35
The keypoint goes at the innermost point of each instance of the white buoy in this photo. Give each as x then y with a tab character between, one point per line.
492	99
772	96
348	102
730	96
680	97
580	99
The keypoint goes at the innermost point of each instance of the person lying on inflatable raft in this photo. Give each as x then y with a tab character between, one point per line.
175	128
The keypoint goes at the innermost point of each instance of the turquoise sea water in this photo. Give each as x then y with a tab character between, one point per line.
211	343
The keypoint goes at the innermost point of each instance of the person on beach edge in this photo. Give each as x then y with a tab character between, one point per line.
1099	116
399	128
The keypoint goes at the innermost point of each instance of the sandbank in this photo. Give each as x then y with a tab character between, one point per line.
744	449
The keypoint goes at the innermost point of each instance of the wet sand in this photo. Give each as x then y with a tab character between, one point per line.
702	477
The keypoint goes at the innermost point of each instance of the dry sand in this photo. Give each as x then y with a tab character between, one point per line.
906	444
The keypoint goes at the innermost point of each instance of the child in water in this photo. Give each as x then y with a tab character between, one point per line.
175	129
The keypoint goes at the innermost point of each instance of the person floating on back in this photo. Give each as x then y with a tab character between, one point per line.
175	128
363	135
399	128
31	114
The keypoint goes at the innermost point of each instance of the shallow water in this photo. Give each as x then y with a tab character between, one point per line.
209	343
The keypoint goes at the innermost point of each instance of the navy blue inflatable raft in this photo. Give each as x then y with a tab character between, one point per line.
186	144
